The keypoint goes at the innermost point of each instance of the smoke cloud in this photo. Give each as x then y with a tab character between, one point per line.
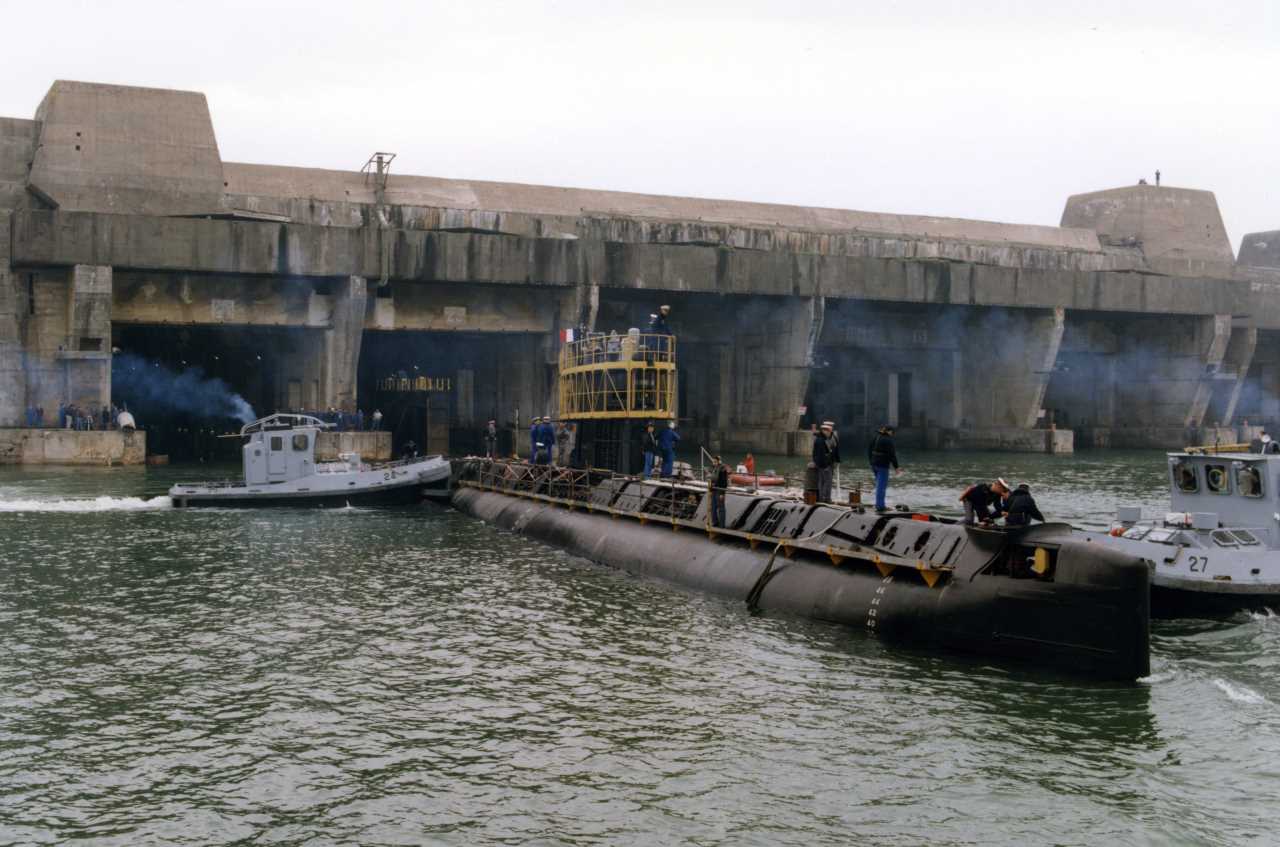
150	387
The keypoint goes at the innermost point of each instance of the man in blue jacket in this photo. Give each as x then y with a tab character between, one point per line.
667	440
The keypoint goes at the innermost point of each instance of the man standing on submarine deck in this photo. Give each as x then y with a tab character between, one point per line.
826	455
881	454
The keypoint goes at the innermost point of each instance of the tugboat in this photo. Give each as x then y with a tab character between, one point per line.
280	470
1218	548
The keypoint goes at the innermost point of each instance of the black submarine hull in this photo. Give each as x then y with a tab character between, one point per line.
1091	620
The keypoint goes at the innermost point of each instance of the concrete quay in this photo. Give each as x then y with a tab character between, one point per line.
22	446
1131	323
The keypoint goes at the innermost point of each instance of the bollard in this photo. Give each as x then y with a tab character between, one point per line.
811	484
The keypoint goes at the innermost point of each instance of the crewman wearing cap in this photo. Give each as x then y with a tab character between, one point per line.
882	455
982	501
826	454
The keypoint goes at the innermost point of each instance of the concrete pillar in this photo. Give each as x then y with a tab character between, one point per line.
1012	356
1240	350
342	341
13	380
1216	349
86	351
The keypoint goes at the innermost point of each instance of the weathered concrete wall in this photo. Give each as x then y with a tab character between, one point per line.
116	148
1260	249
1114	321
1173	225
373	446
17	147
71	447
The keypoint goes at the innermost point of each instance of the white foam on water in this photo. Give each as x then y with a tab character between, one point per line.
97	504
1239	693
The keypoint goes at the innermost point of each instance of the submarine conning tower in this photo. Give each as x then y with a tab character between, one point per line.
610	386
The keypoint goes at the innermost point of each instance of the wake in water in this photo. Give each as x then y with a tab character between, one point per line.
1239	693
97	504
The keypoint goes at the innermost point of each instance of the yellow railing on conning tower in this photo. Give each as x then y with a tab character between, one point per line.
615	377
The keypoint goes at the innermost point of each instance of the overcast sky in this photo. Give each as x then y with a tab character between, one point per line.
994	110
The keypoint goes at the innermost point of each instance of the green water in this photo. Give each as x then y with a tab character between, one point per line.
414	676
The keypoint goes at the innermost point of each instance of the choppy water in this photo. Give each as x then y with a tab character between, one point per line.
413	676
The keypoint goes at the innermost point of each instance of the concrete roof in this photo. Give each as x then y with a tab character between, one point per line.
352	187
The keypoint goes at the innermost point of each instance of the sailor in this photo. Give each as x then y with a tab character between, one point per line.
1020	508
667	440
377	419
535	430
719	485
491	440
544	437
1269	444
410	450
649	445
881	455
825	455
1256	443
658	323
658	326
564	443
982	501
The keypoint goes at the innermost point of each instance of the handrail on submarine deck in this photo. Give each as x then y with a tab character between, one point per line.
532	475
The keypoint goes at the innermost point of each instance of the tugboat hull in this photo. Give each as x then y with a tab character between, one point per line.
1092	619
389	496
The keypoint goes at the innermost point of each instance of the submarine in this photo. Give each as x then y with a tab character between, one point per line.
1029	595
1037	595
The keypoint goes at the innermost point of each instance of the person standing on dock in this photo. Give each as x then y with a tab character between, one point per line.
826	452
882	455
719	486
667	440
649	446
376	420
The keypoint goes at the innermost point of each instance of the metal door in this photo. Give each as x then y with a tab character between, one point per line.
275	458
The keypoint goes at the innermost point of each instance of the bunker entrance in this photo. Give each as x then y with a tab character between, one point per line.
186	385
437	390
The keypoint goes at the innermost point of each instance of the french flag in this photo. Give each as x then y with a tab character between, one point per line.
566	335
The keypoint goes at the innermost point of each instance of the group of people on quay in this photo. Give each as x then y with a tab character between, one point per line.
81	418
344	420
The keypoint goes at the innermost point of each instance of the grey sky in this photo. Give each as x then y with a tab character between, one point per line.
993	110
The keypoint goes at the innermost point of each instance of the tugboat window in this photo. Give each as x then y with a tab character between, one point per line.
277	443
1215	477
1223	538
1246	538
1249	481
1184	476
300	441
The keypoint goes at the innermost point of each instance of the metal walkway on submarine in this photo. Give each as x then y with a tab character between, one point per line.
783	521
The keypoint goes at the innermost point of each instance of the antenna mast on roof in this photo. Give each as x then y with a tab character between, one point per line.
376	171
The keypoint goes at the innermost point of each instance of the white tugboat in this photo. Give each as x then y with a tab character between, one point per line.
280	470
1218	548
